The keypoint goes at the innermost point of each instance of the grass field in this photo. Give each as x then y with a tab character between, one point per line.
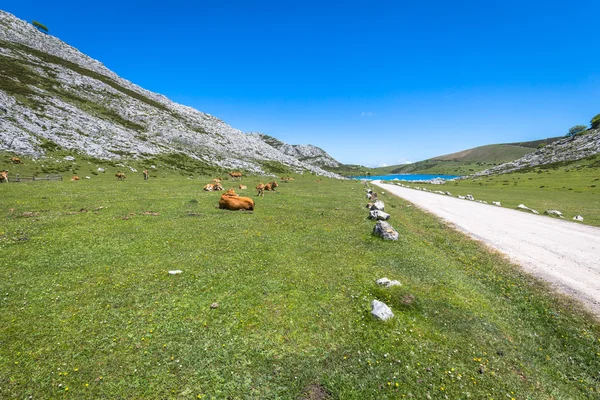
89	310
572	188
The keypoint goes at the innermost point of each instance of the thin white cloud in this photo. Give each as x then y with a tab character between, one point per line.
367	114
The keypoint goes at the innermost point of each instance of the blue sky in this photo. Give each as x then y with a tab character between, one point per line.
379	82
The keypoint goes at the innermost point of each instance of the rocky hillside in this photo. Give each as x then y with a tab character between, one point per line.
53	96
564	150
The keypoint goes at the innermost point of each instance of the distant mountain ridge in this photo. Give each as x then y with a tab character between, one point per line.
53	96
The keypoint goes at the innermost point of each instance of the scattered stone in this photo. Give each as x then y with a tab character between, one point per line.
214	305
385	282
408	299
481	201
378	205
578	218
481	369
469	197
380	310
379	215
69	158
101	169
554	212
153	166
497	203
524	207
369	196
385	231
448	194
87	177
175	272
461	197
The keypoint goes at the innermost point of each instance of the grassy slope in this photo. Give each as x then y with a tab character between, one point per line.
572	188
467	161
87	304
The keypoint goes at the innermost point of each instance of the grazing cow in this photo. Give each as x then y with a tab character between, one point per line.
236	203
120	176
235	175
3	176
261	190
15	160
242	187
75	178
146	174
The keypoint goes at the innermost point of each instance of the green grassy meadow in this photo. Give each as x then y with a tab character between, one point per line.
572	188
89	311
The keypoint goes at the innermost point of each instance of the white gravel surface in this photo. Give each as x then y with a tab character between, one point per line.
564	253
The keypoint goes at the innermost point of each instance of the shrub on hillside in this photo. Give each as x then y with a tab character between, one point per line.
576	129
40	26
596	122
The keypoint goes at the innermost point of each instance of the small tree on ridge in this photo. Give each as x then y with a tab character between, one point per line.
596	122
576	129
40	26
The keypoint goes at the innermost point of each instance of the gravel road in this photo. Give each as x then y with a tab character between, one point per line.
565	253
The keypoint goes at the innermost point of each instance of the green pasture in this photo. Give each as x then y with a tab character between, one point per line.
572	188
89	311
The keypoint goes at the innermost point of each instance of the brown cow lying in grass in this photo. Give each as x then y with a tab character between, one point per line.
242	187
120	176
213	187
15	160
75	178
288	179
260	189
3	176
236	203
271	186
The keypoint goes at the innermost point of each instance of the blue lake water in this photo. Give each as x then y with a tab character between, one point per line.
406	177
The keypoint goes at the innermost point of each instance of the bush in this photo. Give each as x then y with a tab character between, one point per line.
596	122
576	129
40	26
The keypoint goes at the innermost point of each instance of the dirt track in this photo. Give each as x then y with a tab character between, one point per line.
565	253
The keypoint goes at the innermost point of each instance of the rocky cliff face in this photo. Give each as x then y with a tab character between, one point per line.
53	95
567	149
307	153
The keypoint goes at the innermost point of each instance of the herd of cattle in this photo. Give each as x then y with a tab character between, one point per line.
233	201
230	200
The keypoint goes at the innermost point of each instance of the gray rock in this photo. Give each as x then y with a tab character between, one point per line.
385	282
175	272
524	207
385	231
69	158
497	203
378	205
461	197
379	215
380	310
100	169
578	218
554	212
469	197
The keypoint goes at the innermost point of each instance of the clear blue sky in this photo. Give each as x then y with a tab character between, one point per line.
371	82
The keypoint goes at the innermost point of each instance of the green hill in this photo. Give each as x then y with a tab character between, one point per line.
467	161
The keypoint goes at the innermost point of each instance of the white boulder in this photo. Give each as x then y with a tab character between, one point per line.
554	212
497	203
469	197
378	205
385	282
380	310
578	218
524	207
379	215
